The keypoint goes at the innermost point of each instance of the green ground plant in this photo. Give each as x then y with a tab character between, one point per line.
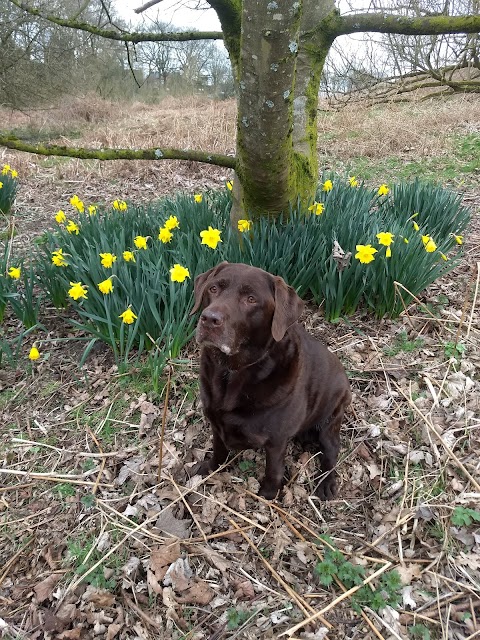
128	270
8	189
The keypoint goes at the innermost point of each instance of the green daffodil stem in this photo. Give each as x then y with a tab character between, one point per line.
12	142
164	420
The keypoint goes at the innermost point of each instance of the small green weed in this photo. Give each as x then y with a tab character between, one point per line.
401	343
237	617
334	565
419	631
247	467
65	490
454	350
464	517
81	556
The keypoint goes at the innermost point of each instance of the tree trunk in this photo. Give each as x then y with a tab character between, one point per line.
278	81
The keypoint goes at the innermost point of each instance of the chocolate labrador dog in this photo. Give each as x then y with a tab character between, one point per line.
263	378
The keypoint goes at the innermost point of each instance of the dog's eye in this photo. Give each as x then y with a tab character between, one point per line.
213	289
251	300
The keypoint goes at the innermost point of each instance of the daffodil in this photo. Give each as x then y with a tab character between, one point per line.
77	203
14	173
229	185
385	238
58	258
1	185
388	252
172	223
383	190
198	197
444	257
211	237
179	273
6	169
165	235
429	244
128	256
92	210
72	227
365	253
317	208
119	205
106	286
34	353
327	185
14	272
60	217
107	259
140	242
458	239
78	290
244	225
416	227
353	181
405	240
128	316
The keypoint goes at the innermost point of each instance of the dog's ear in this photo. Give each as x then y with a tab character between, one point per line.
201	283
288	308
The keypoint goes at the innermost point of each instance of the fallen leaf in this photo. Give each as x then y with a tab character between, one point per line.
408	600
45	588
101	598
198	593
162	557
167	523
178	575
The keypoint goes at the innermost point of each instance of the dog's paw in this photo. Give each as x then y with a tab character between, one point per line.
327	489
268	490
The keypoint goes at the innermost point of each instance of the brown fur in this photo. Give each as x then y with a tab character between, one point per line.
263	378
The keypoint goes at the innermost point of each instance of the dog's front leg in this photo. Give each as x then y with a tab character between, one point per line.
219	456
274	469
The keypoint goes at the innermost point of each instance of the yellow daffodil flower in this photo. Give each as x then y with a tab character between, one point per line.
327	185
107	259
244	225
211	237
388	252
34	353
198	197
383	190
119	205
128	256
72	227
78	290
429	244
458	239
353	181
77	203
405	240
6	169
92	210
172	223
60	217
14	173
229	185
365	253
179	273
14	272
128	316
106	286
444	257
385	238
165	235
317	208
1	185
140	242
58	258
416	227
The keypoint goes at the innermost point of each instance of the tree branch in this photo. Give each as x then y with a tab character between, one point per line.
386	23
12	142
146	6
116	35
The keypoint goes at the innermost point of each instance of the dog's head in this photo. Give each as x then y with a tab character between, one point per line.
242	307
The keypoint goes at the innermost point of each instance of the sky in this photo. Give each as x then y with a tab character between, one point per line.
174	11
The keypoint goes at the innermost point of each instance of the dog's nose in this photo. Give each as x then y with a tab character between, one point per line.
212	318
